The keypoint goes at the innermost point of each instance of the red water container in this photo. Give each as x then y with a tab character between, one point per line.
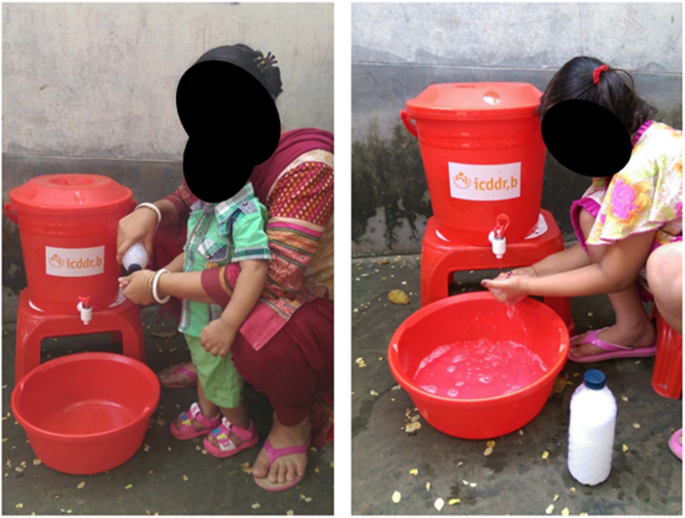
483	154
472	316
667	376
68	229
86	413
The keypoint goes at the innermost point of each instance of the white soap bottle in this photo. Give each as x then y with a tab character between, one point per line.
591	430
135	258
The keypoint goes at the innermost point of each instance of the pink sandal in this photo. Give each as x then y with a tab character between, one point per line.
181	370
612	351
187	430
227	448
275	453
675	445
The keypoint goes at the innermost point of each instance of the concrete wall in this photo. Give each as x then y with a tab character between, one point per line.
400	49
91	88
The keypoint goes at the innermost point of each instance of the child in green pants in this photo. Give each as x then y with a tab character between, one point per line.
218	234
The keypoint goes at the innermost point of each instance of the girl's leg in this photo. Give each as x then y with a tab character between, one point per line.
665	277
633	327
237	416
295	363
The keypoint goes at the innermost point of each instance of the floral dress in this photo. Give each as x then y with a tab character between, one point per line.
643	197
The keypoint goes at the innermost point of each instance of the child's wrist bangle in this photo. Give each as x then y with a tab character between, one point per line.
152	207
148	285
534	270
155	283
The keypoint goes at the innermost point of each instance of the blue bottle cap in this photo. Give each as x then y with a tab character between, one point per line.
595	379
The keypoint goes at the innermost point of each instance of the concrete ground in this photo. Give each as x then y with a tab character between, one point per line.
514	479
214	486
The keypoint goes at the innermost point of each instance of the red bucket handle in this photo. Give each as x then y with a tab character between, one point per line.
11	212
408	123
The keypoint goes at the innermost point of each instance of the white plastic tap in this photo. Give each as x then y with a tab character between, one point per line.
85	310
496	237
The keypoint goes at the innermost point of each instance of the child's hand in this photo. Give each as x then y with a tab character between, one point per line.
217	338
133	287
528	270
506	290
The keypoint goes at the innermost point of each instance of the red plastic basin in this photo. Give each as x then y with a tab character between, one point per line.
86	413
474	316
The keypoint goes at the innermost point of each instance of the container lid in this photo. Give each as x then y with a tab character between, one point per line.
595	379
70	192
475	101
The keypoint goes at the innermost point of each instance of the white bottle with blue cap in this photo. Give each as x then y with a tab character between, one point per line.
135	258
591	430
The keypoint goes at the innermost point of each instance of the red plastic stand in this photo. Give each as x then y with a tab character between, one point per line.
667	377
34	325
440	258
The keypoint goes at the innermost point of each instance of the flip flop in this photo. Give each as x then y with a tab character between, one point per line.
675	445
612	351
182	370
187	430
227	447
275	453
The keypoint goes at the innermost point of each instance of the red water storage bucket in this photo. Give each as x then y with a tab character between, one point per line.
483	154
68	228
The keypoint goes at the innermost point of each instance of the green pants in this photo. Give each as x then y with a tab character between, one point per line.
219	378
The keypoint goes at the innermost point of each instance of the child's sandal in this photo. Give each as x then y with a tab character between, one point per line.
187	430
226	447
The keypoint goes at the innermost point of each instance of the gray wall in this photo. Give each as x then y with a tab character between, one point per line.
400	49
91	88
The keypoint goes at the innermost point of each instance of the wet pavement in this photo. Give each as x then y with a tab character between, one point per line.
514	479
156	476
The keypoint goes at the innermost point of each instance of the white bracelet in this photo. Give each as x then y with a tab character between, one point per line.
155	282
153	207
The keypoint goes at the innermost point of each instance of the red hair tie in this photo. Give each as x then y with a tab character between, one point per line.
598	72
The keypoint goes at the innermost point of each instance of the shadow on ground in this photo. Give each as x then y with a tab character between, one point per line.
214	486
515	479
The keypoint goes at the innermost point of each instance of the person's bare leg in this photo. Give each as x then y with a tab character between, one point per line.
633	327
287	468
209	409
665	278
166	377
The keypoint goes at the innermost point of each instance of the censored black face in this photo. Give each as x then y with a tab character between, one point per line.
586	138
232	124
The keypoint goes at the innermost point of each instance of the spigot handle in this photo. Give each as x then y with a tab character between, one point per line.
502	224
85	301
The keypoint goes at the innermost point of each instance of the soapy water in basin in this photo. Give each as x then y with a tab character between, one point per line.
478	369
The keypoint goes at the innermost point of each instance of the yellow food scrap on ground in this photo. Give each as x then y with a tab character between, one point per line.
565	511
129	486
414	472
624	448
454	501
460	464
256	505
520	432
19	506
549	509
396	497
160	422
373	393
490	444
556	497
473	484
545	455
331	465
317	470
572	490
185	478
308	499
636	425
398	297
81	485
428	486
488	451
290	512
582	514
439	504
624	398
